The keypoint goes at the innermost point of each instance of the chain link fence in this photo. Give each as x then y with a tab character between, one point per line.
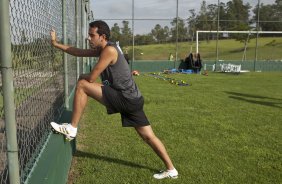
38	69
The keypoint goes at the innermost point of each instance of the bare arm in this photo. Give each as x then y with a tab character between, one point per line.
72	50
108	56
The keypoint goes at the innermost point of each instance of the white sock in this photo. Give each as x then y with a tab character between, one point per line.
172	170
73	129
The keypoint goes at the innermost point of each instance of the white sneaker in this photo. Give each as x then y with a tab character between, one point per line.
65	129
167	174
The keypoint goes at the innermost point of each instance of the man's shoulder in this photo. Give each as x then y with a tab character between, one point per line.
110	48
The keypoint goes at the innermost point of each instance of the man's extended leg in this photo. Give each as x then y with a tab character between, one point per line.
82	91
149	137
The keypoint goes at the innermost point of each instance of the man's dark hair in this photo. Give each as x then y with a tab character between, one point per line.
103	28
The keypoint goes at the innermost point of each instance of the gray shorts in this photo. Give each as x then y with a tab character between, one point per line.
131	110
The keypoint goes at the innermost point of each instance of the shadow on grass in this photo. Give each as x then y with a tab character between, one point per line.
243	97
251	96
112	160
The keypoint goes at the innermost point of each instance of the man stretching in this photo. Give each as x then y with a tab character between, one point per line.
118	91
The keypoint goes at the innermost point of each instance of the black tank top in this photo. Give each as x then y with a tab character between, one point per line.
119	76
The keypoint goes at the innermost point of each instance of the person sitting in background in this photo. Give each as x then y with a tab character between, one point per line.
170	58
197	61
194	62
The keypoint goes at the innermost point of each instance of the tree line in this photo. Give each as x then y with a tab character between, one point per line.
233	15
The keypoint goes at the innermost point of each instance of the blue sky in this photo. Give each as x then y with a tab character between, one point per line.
150	9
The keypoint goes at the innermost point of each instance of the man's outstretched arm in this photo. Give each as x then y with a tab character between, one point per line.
72	50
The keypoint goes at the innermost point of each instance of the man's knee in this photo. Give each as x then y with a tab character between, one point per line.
146	133
148	137
80	84
93	90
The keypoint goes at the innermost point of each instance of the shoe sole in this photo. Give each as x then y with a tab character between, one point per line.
170	177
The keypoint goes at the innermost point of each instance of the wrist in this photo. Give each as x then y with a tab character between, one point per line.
54	43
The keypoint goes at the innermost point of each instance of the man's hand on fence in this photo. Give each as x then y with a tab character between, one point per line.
53	36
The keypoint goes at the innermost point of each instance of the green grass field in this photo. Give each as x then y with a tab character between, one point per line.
224	128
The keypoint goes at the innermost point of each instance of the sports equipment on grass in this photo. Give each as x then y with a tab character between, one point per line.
170	80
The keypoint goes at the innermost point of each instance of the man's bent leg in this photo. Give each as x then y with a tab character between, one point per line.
82	91
149	137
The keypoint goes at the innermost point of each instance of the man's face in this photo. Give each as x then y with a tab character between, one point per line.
94	39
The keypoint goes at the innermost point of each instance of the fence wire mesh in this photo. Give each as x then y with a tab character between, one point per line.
38	75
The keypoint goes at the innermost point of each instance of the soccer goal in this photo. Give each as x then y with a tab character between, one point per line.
227	48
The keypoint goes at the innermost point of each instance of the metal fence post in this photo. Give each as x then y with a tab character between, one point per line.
217	34
77	34
176	47
65	54
8	93
87	23
257	35
133	40
83	30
